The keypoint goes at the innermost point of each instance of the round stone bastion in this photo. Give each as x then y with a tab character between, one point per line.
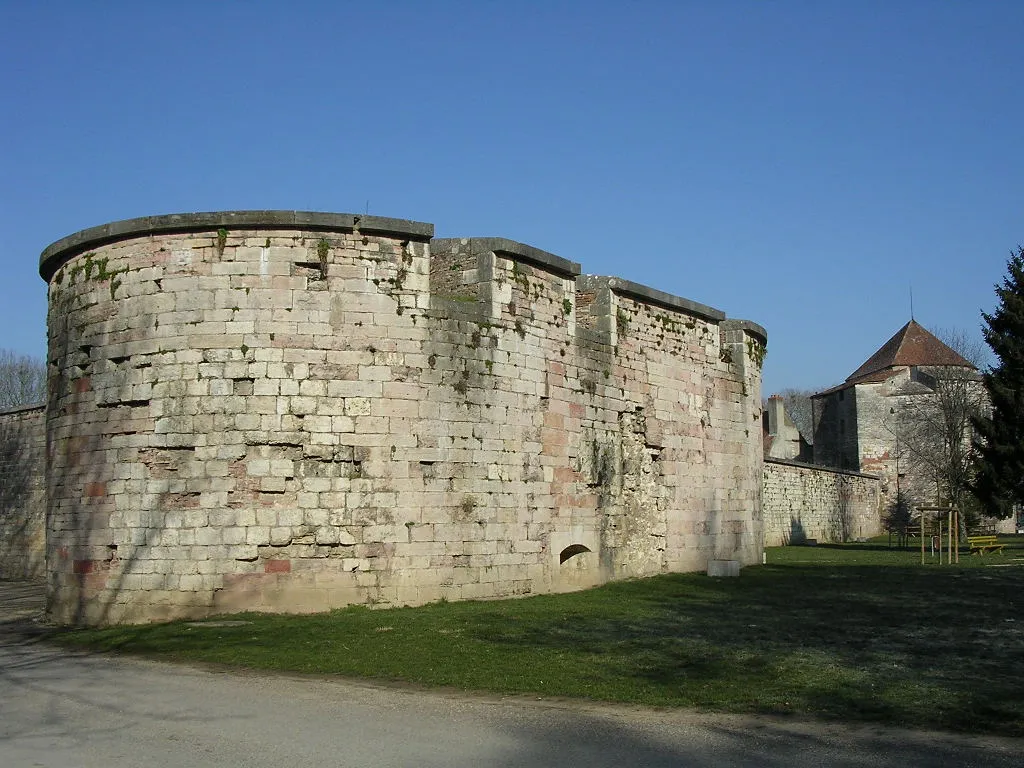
294	411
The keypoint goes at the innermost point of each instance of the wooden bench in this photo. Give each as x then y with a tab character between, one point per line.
981	544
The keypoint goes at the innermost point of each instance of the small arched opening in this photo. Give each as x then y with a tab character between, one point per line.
571	551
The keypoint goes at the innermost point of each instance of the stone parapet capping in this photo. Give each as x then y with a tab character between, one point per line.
22	408
651	296
511	249
566	268
59	252
820	468
747	326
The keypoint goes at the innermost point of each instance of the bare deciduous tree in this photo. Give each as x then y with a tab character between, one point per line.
22	380
934	426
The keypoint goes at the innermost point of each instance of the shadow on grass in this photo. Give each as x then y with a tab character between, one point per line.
902	645
906	645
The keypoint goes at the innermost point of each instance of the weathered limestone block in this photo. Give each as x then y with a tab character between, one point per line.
723	568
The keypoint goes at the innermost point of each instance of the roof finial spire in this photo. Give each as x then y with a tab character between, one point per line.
911	302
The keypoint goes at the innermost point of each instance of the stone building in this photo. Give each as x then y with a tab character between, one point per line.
278	410
859	424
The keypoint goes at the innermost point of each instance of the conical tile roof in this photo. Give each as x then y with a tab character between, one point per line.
912	345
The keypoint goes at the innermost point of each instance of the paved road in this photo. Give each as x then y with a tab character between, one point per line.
73	710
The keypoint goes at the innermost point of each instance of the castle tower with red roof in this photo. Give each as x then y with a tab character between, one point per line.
857	425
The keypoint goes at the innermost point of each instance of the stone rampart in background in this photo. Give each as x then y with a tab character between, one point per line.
23	493
803	502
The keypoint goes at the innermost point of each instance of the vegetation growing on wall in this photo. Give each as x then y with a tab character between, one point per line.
757	351
323	250
89	267
621	322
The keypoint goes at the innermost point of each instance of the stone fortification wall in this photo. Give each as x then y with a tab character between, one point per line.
806	502
22	493
291	411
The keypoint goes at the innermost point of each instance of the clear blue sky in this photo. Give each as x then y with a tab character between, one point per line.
799	164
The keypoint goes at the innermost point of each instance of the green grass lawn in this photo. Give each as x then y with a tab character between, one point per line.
854	632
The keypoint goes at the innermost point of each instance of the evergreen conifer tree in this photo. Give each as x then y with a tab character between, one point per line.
999	438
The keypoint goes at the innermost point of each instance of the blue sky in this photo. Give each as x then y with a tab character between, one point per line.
799	164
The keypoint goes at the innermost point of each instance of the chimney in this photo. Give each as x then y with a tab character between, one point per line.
776	414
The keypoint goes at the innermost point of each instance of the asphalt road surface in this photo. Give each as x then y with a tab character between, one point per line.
63	709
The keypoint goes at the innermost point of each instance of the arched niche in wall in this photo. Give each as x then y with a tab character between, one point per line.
570	552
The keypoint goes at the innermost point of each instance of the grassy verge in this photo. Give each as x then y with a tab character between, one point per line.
853	632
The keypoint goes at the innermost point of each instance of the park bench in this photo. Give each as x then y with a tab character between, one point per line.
979	545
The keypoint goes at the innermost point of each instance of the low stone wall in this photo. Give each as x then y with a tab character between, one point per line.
805	502
22	493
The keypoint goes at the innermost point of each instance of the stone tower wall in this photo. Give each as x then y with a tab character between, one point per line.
836	428
289	411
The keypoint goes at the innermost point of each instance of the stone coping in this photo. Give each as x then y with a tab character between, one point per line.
522	252
22	409
59	252
750	327
512	249
820	468
648	295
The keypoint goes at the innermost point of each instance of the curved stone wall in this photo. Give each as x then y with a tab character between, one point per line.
294	411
